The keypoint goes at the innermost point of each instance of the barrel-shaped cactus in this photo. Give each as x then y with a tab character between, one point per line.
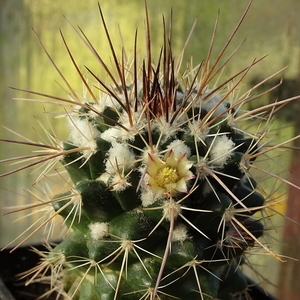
162	202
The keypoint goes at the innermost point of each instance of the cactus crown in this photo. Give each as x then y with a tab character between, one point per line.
162	200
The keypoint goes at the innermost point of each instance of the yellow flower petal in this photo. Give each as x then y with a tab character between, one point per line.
169	176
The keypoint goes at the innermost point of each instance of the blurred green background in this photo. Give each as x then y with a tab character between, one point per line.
271	28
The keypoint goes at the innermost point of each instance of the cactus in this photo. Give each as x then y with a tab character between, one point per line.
162	203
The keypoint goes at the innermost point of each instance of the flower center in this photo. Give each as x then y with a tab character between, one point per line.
166	176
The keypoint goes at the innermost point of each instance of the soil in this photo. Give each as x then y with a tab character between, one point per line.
14	263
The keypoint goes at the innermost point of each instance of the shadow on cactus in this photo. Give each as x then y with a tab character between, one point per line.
161	200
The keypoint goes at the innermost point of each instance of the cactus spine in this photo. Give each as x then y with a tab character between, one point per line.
162	201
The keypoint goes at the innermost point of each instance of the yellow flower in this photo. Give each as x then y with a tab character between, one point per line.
170	175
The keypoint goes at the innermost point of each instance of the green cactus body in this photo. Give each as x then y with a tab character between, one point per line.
162	201
153	198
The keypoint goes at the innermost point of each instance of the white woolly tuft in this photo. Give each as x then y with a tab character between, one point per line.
147	197
119	157
179	147
139	121
82	134
165	129
114	133
180	233
197	131
110	135
98	230
211	103
221	150
119	183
